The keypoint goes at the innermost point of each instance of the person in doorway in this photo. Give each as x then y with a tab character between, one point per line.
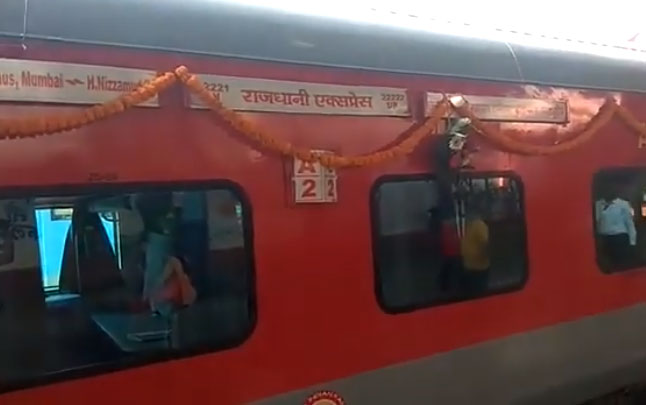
474	248
616	229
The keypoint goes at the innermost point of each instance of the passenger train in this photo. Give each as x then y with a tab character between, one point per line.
303	284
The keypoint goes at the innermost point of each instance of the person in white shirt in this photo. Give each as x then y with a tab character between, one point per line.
616	228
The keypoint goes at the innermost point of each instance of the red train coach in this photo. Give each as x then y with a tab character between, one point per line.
309	282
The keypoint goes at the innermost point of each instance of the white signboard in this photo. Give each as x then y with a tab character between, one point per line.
53	82
309	98
511	109
314	183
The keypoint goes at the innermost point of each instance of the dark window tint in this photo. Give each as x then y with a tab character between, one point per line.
619	197
121	277
424	256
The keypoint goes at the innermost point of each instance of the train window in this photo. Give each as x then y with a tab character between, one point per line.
121	276
424	257
619	197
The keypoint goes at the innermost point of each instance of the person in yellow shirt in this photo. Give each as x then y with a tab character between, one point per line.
474	249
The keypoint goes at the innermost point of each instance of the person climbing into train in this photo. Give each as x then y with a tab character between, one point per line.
450	157
616	229
474	249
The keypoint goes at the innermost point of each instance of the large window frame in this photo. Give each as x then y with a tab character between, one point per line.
375	231
107	189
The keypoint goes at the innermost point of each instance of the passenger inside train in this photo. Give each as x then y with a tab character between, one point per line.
424	258
474	249
620	218
103	278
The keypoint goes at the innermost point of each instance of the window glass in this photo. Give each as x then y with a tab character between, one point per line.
425	256
92	279
619	197
53	225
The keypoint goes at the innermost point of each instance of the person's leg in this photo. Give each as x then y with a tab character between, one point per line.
482	281
624	251
462	276
469	283
443	279
602	253
476	282
449	274
455	272
612	248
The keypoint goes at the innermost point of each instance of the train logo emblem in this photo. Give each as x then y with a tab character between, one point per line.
324	398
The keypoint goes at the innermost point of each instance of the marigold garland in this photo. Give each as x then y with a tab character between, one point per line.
247	128
598	121
30	127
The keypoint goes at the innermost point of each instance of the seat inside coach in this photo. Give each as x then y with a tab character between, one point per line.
72	275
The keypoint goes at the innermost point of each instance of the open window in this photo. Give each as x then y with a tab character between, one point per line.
423	258
104	278
619	209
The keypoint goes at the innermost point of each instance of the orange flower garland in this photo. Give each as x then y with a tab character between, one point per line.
274	144
601	119
30	127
